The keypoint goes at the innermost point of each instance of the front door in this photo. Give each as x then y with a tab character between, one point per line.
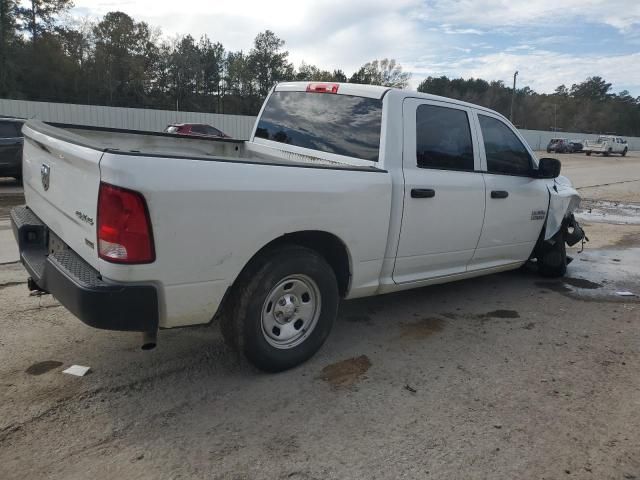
443	191
517	202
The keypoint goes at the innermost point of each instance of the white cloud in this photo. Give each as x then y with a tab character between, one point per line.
450	30
433	37
620	14
331	33
543	71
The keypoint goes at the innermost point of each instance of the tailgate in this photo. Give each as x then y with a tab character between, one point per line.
61	181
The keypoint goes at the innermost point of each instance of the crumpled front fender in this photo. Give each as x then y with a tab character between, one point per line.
563	200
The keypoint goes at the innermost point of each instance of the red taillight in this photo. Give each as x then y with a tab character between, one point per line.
323	87
124	228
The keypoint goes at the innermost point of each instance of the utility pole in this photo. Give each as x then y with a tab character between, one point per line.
513	96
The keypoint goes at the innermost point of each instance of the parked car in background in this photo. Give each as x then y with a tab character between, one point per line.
559	145
606	145
577	145
201	129
11	147
342	190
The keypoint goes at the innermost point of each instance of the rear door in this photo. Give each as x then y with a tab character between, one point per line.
10	147
61	182
516	201
443	193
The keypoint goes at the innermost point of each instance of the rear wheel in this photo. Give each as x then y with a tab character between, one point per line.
283	309
588	154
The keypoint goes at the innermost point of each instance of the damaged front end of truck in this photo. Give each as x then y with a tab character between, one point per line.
561	227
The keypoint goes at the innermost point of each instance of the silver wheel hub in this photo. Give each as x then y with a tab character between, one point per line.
290	311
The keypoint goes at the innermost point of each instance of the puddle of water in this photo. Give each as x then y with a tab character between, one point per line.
599	275
422	328
42	367
501	314
558	286
609	212
347	372
581	283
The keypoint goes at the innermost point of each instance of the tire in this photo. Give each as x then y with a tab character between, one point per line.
548	150
624	152
552	259
282	308
607	153
588	154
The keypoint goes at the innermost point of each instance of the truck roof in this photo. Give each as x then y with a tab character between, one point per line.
372	91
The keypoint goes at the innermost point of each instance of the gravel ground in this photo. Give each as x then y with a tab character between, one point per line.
502	377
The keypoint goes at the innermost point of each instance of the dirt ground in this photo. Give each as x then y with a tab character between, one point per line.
509	376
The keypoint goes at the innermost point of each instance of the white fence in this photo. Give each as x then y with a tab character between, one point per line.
238	126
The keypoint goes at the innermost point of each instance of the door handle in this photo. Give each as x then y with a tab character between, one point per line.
499	194
422	193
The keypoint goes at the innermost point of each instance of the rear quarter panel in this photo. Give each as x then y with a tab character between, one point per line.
209	219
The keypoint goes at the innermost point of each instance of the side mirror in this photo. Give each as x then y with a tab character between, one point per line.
549	168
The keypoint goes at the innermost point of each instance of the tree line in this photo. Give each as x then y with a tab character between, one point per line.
588	107
118	61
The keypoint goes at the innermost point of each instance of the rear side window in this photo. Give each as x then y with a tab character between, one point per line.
505	152
340	124
10	129
443	138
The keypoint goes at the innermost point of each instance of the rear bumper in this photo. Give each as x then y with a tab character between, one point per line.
80	287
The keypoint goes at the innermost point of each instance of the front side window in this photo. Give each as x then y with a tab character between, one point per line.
339	124
505	152
443	138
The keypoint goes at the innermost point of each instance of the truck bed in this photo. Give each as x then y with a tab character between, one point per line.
144	143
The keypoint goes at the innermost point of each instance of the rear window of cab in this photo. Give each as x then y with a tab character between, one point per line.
340	124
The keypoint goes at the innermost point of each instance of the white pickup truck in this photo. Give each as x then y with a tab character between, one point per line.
342	191
606	145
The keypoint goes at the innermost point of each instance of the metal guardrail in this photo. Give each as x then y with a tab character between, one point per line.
237	126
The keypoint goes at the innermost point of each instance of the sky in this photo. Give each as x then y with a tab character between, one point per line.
549	42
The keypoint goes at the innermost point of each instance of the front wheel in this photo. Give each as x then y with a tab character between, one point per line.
283	310
588	154
624	152
552	258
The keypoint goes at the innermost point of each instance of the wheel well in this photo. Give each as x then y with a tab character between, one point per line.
332	249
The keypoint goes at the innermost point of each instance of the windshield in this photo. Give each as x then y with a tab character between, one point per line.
339	124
